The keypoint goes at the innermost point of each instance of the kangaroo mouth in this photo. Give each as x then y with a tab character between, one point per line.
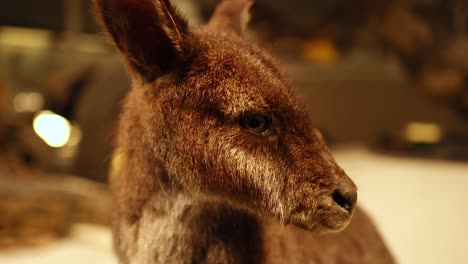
336	221
324	219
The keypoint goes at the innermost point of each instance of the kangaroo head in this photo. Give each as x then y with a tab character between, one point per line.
217	115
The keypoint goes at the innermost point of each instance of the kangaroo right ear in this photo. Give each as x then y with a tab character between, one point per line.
150	33
232	15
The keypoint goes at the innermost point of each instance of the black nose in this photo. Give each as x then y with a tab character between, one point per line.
346	198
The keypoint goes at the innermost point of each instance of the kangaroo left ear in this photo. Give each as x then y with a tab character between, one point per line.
150	34
232	15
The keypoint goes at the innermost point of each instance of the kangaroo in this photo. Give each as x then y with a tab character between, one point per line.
219	162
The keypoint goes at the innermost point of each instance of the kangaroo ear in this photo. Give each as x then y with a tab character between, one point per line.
150	33
232	15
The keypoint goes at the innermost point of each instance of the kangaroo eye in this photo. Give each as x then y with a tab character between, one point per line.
255	123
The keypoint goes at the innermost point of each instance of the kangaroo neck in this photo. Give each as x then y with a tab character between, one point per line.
176	228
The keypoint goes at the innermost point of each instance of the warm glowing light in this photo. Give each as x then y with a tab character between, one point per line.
52	128
321	51
423	133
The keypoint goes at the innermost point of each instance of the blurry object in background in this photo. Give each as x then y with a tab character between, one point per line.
96	113
44	14
54	76
64	91
422	133
49	83
28	102
3	95
320	51
426	140
430	38
442	82
44	208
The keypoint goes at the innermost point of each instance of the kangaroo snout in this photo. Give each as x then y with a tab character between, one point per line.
334	211
338	207
346	198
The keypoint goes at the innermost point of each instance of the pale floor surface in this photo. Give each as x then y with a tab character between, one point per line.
86	245
420	206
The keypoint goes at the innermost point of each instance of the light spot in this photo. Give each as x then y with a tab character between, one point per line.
423	133
53	129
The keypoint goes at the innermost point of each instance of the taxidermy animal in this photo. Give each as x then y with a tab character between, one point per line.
219	161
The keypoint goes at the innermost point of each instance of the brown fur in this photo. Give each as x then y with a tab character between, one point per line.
194	185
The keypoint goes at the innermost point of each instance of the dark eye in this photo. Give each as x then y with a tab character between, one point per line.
255	123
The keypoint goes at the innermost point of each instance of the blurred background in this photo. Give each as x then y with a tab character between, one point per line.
385	81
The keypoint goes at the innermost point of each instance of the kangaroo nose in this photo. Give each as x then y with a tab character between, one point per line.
346	198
